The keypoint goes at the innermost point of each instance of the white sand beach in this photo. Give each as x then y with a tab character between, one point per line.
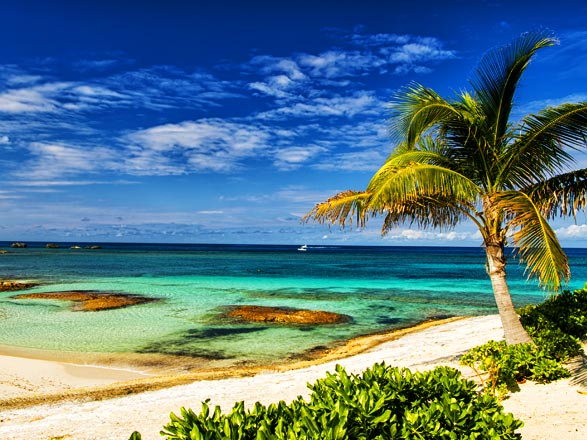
549	411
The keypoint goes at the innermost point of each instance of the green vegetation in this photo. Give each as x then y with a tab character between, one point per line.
500	366
463	159
382	403
393	403
557	326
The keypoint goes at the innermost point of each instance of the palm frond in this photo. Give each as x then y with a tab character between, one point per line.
396	182
414	110
344	206
563	195
497	77
566	124
540	150
436	211
402	158
534	240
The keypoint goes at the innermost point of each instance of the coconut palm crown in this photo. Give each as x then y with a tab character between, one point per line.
464	159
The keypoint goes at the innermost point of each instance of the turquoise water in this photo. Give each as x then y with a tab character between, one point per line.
381	288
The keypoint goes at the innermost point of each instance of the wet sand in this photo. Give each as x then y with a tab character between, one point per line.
549	411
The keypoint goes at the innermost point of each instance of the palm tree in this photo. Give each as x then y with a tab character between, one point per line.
463	159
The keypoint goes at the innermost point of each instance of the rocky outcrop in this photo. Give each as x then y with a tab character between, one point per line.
286	315
90	300
10	286
18	244
52	246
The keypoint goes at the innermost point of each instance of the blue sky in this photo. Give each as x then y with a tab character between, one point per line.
225	121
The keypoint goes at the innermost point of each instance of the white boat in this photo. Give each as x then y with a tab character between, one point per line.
303	248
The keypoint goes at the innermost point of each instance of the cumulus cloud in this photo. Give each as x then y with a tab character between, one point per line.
577	232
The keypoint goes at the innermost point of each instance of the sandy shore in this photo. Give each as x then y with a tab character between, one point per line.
549	411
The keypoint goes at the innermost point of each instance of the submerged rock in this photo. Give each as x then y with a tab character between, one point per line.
91	300
286	315
9	285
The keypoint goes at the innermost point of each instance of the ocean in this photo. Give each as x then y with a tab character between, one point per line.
380	288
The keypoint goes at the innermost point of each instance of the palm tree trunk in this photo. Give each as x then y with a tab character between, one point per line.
513	331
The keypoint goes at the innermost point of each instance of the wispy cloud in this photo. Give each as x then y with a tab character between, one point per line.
292	158
164	87
361	102
204	145
52	161
338	63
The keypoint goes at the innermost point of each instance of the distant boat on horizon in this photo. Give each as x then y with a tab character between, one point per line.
303	248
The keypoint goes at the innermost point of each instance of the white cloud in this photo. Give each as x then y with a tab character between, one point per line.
279	86
336	63
432	236
367	160
54	160
23	79
536	106
53	97
294	157
164	87
424	50
9	195
211	212
204	145
270	64
29	100
577	232
378	40
4	140
361	102
58	182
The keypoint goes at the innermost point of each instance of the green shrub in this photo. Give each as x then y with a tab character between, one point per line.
557	326
500	366
382	403
566	311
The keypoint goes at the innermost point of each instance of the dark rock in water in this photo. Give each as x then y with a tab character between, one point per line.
91	300
386	320
18	244
286	315
52	246
217	332
93	247
9	286
440	316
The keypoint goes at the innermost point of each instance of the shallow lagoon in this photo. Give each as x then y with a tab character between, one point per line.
381	288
